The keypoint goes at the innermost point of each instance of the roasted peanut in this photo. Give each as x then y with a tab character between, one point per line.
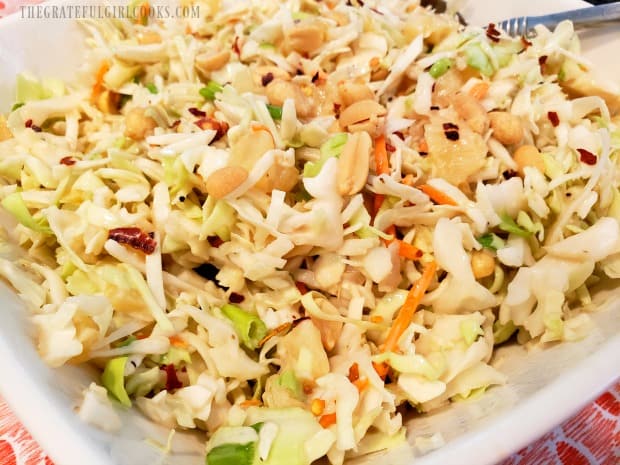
482	264
353	164
471	111
507	128
211	61
279	90
225	180
305	37
246	150
138	125
360	112
351	92
148	37
528	155
108	102
5	133
446	86
282	178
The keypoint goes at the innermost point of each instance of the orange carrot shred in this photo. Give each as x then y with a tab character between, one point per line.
409	251
408	180
391	230
405	315
437	196
376	319
361	384
354	372
327	420
250	403
479	91
98	85
382	164
176	341
423	146
381	369
377	202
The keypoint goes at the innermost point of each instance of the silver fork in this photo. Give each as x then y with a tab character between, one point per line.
583	17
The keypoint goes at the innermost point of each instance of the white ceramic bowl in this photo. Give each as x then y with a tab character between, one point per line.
544	387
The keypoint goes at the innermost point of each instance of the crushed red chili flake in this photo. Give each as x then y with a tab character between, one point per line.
587	157
492	33
337	107
354	372
389	147
434	107
301	287
542	60
236	47
220	127
399	134
215	241
175	124
526	43
235	298
451	131
508	174
28	123
36	128
67	161
554	118
134	238
196	112
266	79
315	77
172	380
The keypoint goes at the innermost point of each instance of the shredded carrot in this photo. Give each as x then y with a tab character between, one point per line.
176	341
250	403
143	14
354	372
437	196
361	384
408	180
381	369
409	251
377	202
317	407
382	163
301	287
391	230
98	85
423	146
376	319
406	313
479	91
327	420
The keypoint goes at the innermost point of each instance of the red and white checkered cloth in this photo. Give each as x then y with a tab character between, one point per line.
592	437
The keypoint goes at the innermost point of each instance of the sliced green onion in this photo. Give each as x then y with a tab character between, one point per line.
289	380
440	67
501	333
491	241
152	88
232	454
477	59
15	205
510	226
275	111
209	91
331	148
17	105
175	356
249	327
113	379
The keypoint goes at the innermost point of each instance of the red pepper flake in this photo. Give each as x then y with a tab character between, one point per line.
266	79
134	238
28	123
399	134
175	124
315	77
220	127
587	157
236	48
301	287
354	372
235	298
492	32
434	107
67	161
451	131
196	112
215	241
172	380
554	118
526	43
389	147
